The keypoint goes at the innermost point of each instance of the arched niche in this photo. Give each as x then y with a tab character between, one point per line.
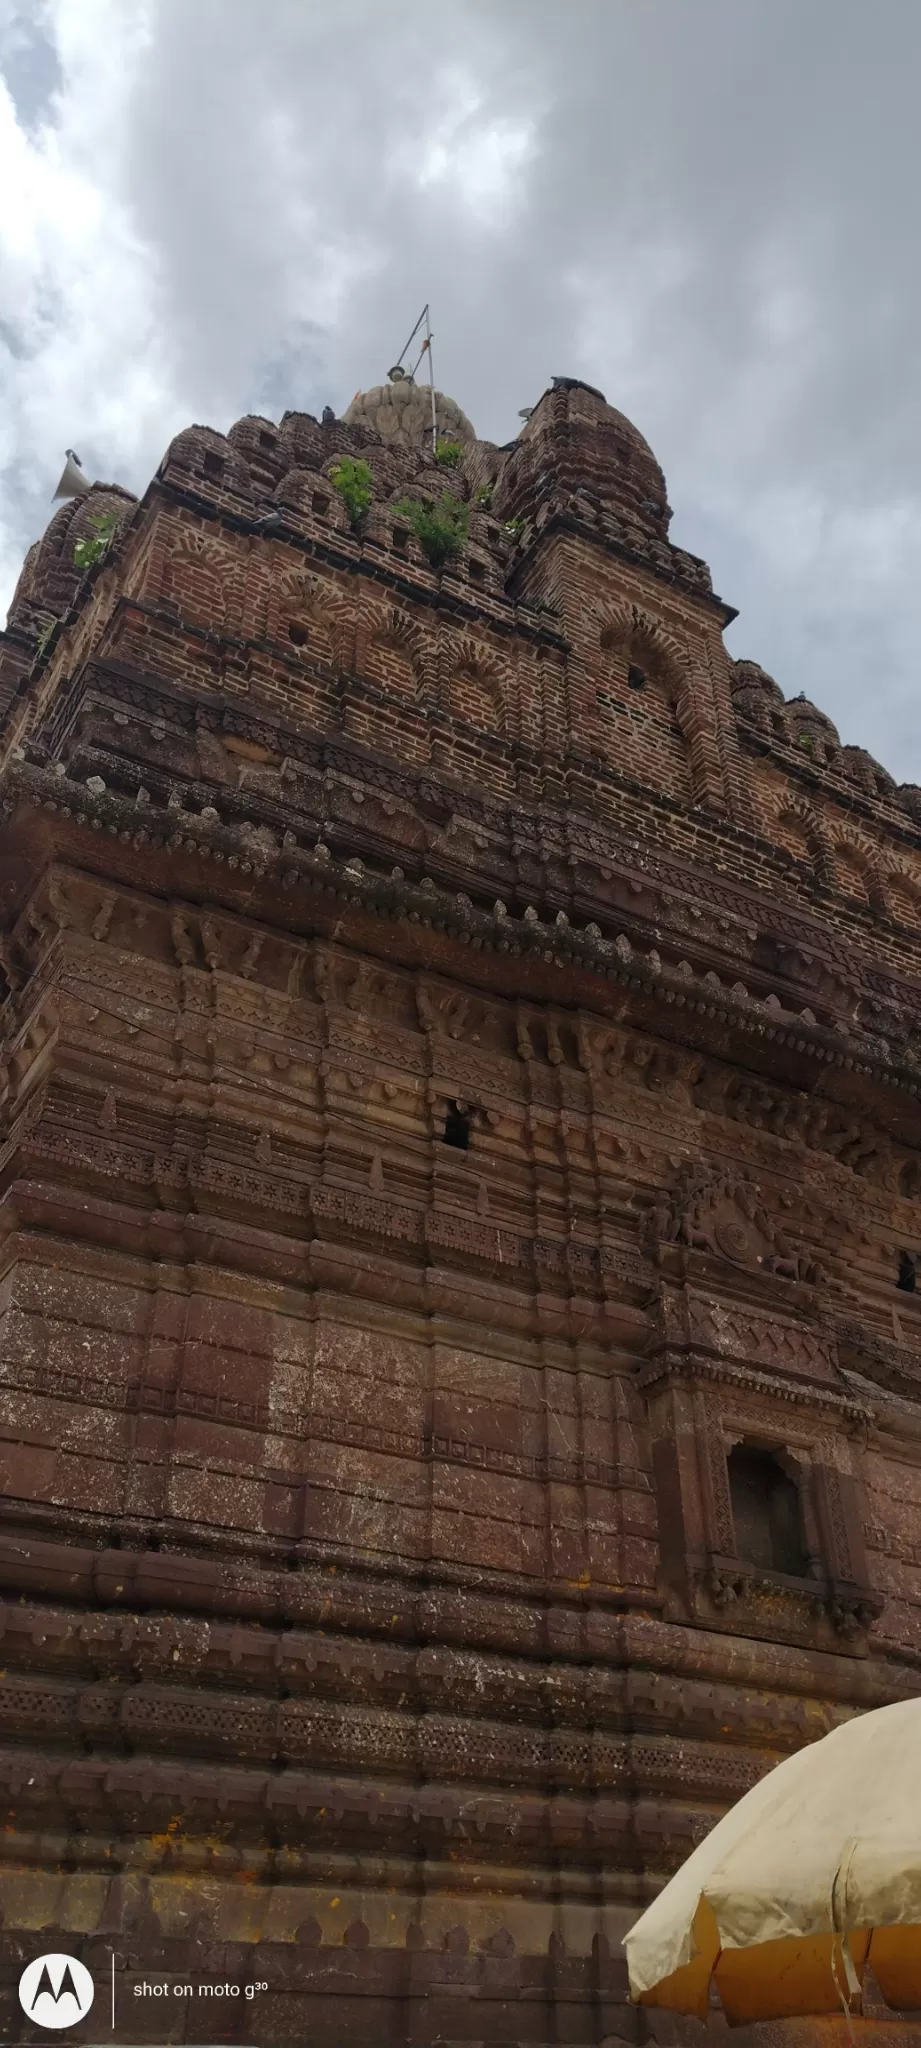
393	654
857	872
308	619
794	825
199	578
472	686
645	716
902	886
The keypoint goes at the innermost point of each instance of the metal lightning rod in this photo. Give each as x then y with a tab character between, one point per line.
397	373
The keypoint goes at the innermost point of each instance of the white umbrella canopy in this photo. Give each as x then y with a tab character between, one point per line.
813	1876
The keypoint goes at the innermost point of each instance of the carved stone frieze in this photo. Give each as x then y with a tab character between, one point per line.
724	1216
770	1342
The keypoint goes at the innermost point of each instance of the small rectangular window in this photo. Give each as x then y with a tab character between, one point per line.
213	464
400	536
477	572
457	1127
319	504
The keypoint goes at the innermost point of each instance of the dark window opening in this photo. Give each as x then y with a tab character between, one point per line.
492	534
298	635
457	1128
908	1273
477	572
319	504
400	536
766	1513
266	440
636	679
213	465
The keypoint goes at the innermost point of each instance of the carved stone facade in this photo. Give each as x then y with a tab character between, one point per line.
462	1139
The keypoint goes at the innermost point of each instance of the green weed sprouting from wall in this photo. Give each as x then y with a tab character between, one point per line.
440	528
353	480
93	546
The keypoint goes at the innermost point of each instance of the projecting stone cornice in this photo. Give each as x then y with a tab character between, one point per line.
591	860
267	1620
312	879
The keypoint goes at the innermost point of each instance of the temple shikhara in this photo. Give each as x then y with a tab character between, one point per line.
461	1203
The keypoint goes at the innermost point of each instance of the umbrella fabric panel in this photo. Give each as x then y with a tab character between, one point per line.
663	1939
828	1841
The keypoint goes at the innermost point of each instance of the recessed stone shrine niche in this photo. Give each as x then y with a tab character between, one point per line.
755	1429
767	1511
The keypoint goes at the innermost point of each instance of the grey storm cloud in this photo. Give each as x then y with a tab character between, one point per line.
707	209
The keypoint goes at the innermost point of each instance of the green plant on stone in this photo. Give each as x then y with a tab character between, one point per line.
515	527
484	495
45	635
353	480
440	529
448	453
807	744
93	546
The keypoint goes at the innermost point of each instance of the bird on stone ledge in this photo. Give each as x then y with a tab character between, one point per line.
270	522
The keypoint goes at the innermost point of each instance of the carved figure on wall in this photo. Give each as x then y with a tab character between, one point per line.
723	1215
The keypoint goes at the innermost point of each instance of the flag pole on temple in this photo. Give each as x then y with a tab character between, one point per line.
398	372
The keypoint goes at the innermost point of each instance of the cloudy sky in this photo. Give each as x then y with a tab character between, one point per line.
707	207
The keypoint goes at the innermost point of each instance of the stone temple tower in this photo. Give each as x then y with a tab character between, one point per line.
461	1160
